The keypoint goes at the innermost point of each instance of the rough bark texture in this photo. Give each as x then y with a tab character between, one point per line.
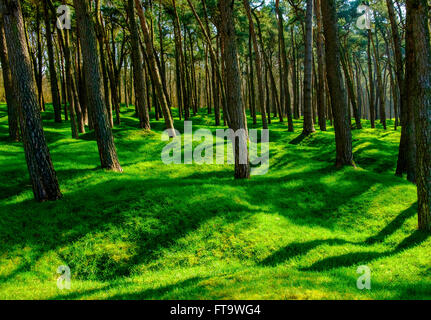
138	72
343	135
418	10
104	137
370	75
399	72
12	104
233	88
42	174
308	74
407	158
321	107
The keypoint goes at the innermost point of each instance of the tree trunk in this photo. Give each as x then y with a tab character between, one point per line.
418	11
380	85
343	135
238	122
138	73
320	69
52	72
104	137
285	69
39	163
308	74
370	75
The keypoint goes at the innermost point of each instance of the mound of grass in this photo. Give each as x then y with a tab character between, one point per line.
161	231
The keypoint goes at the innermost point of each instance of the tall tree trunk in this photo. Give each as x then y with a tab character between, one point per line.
251	81
370	75
238	121
343	135
407	152
52	72
39	163
320	69
39	60
104	137
294	76
308	71
418	11
285	69
380	89
138	73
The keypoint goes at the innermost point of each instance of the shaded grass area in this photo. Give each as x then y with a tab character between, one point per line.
192	232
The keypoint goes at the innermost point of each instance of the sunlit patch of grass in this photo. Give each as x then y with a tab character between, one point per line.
192	232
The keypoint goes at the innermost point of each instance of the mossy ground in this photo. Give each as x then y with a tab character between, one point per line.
192	232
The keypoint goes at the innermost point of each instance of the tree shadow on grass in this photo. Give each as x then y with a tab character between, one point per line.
297	249
357	258
350	259
161	292
393	226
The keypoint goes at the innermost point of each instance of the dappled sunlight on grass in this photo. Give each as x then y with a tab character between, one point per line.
192	232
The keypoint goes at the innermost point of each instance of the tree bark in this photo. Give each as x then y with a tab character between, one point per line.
39	163
308	126
138	72
370	75
343	135
104	137
419	12
320	69
238	120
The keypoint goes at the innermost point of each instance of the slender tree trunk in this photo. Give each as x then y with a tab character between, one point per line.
138	73
285	69
308	126
320	69
251	81
380	85
370	75
52	72
343	135
104	137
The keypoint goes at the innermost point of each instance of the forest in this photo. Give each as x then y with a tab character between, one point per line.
114	112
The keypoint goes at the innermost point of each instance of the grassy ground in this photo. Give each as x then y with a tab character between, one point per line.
191	232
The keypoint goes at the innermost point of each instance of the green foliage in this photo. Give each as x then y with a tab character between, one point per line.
192	232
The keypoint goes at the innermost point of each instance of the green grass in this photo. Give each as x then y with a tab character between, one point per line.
192	232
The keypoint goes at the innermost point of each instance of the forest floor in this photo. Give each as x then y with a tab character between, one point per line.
161	231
